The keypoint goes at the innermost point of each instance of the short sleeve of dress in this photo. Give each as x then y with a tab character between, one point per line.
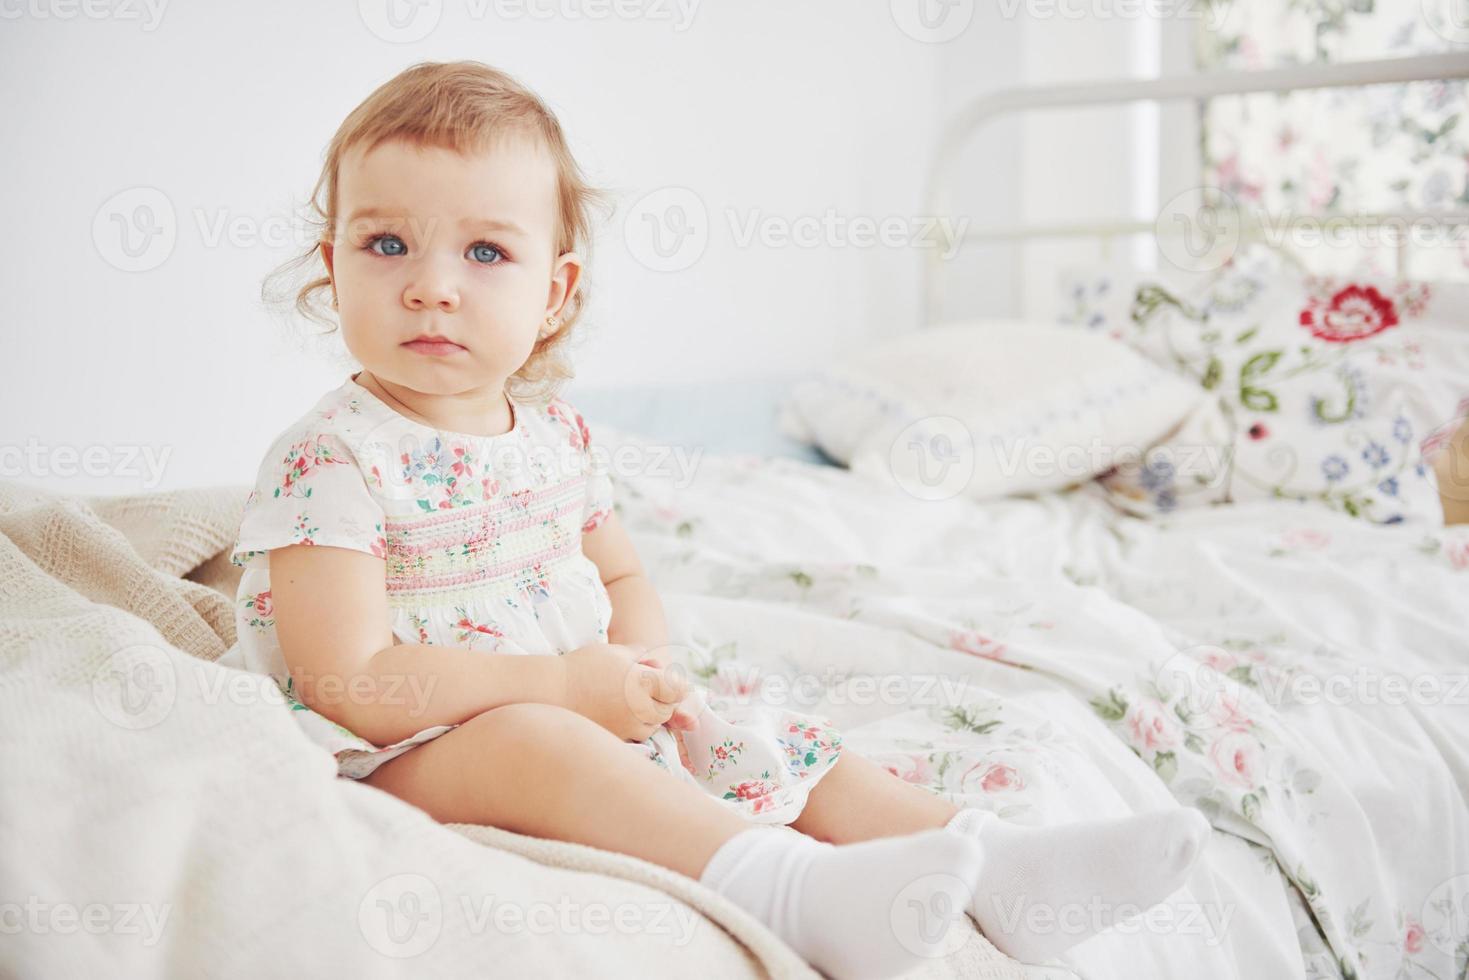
594	465
309	490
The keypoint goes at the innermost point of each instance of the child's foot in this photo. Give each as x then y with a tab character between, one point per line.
868	910
1042	890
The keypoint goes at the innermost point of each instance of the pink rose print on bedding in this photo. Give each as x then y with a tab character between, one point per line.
997	778
1148	721
913	768
976	644
1236	758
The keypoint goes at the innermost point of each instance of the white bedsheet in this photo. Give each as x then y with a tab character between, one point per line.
1053	661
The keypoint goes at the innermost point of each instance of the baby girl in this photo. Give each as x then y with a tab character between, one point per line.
431	530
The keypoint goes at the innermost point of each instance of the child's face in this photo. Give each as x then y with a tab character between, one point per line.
460	247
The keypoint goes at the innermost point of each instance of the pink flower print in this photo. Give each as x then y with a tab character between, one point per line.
520	500
380	543
1236	758
977	644
728	682
999	778
1227	714
463	464
376	476
1218	660
915	770
1302	538
1413	938
468	628
262	607
489	487
1150	727
1458	554
304	530
753	789
303	459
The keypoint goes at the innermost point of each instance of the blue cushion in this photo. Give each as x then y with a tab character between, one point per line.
720	416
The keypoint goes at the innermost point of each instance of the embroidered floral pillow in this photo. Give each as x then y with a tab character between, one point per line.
1326	389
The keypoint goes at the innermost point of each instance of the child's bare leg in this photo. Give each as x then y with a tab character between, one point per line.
1452	468
542	770
859	800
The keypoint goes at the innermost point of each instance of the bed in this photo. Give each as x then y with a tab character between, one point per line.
1046	656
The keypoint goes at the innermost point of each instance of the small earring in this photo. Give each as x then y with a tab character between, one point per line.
551	322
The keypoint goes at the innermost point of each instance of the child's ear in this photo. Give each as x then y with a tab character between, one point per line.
565	276
327	255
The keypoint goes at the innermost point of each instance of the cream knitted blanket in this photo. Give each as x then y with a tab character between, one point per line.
161	815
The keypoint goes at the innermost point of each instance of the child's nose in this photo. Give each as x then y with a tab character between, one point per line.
431	286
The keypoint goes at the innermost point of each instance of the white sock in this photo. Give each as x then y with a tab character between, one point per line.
1042	890
855	911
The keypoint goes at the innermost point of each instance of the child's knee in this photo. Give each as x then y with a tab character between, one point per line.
532	725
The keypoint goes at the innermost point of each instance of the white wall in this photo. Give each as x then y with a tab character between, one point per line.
766	107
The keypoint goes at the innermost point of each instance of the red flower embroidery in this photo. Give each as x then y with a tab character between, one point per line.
1353	313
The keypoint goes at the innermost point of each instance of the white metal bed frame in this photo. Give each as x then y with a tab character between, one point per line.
1202	86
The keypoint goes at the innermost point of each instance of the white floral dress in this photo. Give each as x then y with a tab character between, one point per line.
481	542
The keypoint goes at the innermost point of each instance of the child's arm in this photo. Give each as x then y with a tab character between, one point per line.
333	623
637	614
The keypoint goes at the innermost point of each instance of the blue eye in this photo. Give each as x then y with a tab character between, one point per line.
483	252
397	242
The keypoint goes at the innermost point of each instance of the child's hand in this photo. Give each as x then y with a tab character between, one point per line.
685	715
606	683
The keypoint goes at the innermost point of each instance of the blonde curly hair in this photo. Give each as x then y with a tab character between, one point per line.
461	106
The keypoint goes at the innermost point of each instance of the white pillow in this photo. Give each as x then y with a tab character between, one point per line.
988	408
